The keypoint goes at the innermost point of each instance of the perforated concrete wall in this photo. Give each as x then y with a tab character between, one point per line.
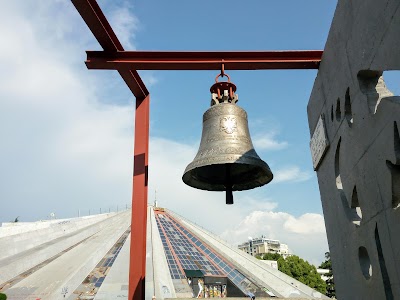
359	175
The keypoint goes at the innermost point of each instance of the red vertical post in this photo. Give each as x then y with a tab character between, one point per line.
137	267
146	193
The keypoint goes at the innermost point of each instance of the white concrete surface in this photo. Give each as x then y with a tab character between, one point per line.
158	276
115	285
32	235
11	228
149	282
271	263
22	261
68	271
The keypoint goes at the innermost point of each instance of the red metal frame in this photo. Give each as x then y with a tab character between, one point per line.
126	63
137	267
207	60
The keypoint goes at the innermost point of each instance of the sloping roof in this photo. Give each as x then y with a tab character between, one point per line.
185	246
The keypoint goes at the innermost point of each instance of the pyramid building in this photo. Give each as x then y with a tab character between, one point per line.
88	258
196	263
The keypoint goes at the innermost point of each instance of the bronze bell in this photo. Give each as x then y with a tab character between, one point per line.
226	160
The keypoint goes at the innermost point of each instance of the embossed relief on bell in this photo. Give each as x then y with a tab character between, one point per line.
229	109
228	124
219	150
232	138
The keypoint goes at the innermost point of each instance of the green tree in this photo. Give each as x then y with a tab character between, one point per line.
271	256
3	296
300	270
330	284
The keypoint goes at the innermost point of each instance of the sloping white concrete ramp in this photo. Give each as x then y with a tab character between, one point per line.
76	253
115	285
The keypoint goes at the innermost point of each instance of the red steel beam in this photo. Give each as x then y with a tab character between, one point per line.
96	21
137	266
205	60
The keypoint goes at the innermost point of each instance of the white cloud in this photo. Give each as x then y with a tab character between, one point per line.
125	24
253	203
291	174
268	142
148	78
304	235
62	147
306	224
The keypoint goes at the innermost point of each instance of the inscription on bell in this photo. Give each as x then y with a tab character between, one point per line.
319	143
228	124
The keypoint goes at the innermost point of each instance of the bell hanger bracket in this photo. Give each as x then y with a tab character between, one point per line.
224	91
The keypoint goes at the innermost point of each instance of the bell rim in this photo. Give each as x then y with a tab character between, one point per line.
231	159
187	178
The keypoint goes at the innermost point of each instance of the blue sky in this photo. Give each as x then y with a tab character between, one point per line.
67	132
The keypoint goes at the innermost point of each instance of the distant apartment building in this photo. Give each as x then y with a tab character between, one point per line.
262	245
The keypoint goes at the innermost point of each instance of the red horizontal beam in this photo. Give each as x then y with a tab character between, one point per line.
203	60
97	22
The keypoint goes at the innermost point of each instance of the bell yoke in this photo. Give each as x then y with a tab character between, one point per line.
226	160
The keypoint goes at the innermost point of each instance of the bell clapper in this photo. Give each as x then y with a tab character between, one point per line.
229	193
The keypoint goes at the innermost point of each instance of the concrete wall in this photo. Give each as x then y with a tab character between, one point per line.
359	175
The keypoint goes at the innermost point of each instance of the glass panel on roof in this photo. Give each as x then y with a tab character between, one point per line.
183	244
